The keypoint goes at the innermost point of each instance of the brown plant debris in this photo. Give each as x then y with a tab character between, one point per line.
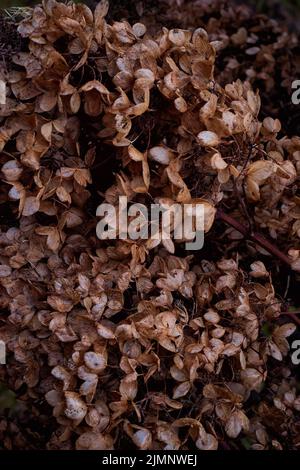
123	344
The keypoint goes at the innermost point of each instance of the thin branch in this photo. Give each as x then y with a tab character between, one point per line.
264	243
293	316
255	237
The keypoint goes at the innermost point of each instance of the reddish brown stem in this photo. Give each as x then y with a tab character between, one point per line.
293	316
293	312
263	242
254	236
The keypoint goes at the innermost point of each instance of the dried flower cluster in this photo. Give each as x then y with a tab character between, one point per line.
141	344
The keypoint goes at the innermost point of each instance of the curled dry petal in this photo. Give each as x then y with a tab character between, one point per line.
94	441
76	408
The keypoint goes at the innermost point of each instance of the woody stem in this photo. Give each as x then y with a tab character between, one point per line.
254	236
263	242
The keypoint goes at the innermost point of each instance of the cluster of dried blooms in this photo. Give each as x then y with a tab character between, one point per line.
135	343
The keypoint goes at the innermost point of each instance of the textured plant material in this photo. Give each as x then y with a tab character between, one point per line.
122	343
